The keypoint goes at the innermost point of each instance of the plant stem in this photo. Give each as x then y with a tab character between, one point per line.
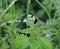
43	8
28	6
1	4
7	8
13	21
6	3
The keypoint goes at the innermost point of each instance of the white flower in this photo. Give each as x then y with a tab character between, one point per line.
24	20
47	35
29	15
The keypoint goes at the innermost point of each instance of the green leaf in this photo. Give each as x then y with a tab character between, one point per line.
27	30
20	42
8	17
30	23
41	43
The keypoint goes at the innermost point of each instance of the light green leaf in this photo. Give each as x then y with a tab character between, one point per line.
20	42
8	17
41	43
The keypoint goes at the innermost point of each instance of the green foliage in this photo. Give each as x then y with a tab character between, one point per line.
43	33
20	42
8	17
40	43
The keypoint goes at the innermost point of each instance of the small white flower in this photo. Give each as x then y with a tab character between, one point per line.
24	20
29	15
33	17
29	18
47	35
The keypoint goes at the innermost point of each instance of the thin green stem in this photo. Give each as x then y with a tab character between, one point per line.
55	4
44	8
55	15
6	3
28	6
1	4
13	8
50	7
0	21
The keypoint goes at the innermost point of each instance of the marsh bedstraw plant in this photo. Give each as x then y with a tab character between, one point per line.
29	24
